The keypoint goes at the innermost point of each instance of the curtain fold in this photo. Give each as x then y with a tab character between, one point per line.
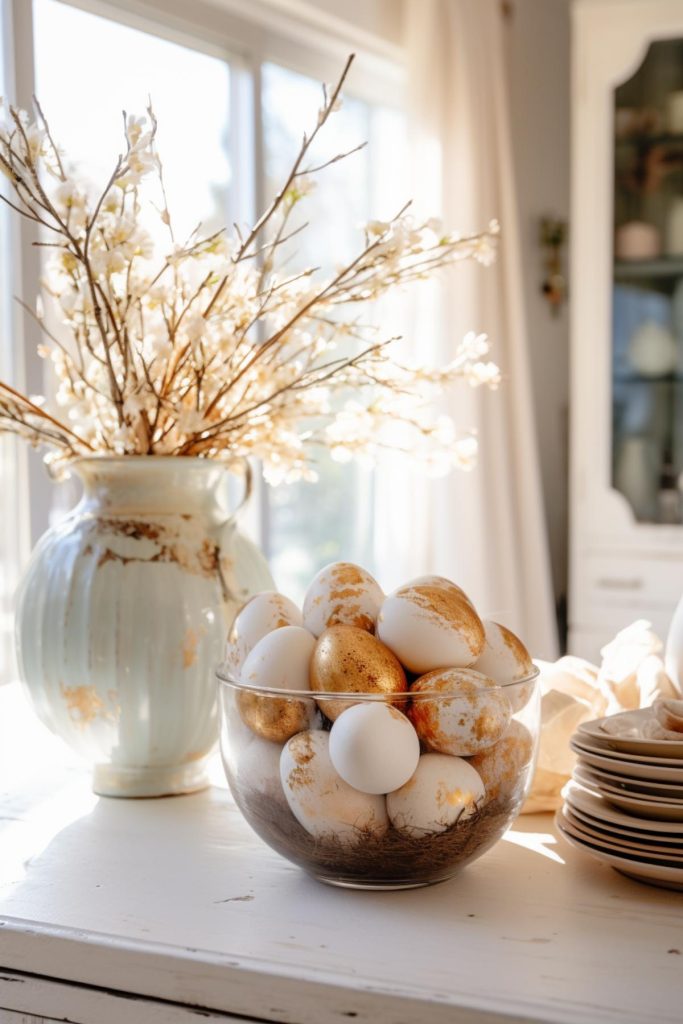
484	528
13	461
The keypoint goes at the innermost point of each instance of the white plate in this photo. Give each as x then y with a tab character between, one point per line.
622	831
657	842
655	809
632	744
587	743
621	782
658	855
591	780
652	874
630	769
598	808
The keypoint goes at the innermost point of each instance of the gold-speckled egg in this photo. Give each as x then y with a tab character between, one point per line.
430	626
503	766
342	594
472	715
275	718
327	807
439	581
506	659
347	659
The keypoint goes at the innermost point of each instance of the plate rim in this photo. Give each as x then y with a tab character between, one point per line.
640	797
631	865
667	857
653	838
630	744
640	824
629	768
655	762
614	778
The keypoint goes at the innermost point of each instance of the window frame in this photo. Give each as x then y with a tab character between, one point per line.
286	32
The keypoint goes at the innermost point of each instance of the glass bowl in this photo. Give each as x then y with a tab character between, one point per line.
346	837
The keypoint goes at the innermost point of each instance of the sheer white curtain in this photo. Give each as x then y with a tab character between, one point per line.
484	528
13	509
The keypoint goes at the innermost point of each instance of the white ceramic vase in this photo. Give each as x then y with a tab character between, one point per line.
122	615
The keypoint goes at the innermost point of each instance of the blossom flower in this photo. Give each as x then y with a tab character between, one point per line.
207	347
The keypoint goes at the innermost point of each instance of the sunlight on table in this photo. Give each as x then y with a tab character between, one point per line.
534	841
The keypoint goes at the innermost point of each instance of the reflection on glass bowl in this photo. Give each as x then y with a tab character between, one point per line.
448	812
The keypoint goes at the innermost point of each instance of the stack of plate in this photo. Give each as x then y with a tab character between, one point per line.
625	805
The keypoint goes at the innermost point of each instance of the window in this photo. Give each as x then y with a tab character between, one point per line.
311	524
189	91
232	98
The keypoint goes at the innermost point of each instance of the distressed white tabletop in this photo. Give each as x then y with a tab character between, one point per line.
176	899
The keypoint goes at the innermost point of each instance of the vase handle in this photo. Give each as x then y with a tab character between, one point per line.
248	485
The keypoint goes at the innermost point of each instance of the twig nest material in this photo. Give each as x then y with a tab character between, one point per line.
506	659
342	594
470	721
442	791
429	626
501	766
320	800
260	615
348	659
374	747
281	659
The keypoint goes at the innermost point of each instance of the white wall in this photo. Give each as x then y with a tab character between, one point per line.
382	18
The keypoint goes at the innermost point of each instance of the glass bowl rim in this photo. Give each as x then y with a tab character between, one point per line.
226	679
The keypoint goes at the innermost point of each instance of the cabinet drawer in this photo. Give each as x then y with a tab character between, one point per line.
627	582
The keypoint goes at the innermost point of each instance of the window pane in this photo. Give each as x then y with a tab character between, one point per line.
89	69
312	524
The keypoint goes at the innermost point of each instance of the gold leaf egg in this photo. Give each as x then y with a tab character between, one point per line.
274	718
342	594
506	659
442	583
347	659
472	714
503	766
429	626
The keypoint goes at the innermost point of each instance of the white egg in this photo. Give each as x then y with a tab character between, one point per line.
442	791
320	800
342	594
374	747
471	716
430	626
257	769
506	659
280	660
261	614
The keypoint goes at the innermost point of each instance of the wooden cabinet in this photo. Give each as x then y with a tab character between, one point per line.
627	318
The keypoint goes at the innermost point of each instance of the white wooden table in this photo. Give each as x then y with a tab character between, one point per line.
151	911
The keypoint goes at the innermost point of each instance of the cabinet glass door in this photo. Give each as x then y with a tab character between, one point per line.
647	321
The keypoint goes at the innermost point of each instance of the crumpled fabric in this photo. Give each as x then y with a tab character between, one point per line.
631	675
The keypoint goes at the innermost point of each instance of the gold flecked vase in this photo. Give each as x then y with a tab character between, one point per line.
122	614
